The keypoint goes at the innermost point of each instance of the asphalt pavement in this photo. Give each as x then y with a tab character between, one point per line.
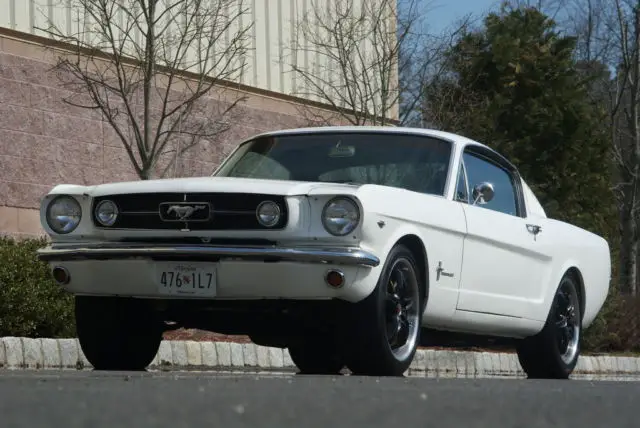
69	399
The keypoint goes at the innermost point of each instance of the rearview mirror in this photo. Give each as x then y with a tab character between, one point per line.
483	193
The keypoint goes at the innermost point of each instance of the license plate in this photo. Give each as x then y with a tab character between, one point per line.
186	279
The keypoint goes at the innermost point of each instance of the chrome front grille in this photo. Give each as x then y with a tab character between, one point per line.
193	211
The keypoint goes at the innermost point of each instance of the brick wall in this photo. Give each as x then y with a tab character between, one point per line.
44	141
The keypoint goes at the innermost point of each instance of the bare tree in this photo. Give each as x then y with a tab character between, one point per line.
551	8
625	123
591	23
368	59
608	33
149	65
440	106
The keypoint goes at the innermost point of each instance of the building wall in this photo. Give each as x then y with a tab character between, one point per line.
271	40
44	141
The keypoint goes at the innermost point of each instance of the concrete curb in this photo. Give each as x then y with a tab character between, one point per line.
27	353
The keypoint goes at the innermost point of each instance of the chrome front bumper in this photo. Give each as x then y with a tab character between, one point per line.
117	250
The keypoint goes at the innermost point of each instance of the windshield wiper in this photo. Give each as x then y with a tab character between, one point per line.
355	183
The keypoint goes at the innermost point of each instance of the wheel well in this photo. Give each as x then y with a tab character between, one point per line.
415	245
574	272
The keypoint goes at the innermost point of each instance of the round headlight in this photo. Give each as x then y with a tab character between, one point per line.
63	214
268	213
106	213
340	216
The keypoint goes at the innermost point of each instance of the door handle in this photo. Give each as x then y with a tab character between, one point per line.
534	228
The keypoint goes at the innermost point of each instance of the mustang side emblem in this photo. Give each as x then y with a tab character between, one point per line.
440	271
183	212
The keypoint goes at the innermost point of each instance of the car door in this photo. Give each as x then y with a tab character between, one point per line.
501	268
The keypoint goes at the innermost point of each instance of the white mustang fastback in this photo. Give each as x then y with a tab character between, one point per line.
349	246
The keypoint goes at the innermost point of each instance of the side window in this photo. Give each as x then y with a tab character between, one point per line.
480	170
462	190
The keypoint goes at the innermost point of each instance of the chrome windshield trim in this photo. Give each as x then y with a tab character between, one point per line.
118	250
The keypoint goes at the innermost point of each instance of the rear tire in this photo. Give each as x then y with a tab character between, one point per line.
553	353
387	323
117	333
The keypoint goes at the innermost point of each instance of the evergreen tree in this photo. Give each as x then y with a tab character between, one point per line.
515	86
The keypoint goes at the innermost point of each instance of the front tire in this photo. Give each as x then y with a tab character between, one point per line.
387	323
117	333
553	353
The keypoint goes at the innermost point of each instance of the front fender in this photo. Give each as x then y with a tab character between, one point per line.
440	225
380	243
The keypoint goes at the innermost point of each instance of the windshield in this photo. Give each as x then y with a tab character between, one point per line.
414	162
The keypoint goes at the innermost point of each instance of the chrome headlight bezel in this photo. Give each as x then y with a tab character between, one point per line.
355	216
277	214
96	213
56	201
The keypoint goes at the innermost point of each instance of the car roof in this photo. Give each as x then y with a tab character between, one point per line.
454	138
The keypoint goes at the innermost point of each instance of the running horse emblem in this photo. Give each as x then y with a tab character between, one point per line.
183	212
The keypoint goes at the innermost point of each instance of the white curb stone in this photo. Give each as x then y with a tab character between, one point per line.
179	353
237	354
418	363
624	365
598	364
28	353
263	357
224	354
629	365
276	357
488	360
613	362
481	362
512	363
209	354
495	367
431	361
83	362
68	352
13	351
194	353
582	365
287	362
164	356
447	364
250	355
466	364
33	357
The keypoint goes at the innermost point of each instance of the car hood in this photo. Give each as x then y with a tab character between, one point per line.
210	184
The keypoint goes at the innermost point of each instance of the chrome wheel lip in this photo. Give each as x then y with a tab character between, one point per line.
406	300
567	322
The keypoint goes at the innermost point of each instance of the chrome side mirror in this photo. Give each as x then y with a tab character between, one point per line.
483	193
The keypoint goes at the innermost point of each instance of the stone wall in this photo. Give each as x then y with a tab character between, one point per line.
44	141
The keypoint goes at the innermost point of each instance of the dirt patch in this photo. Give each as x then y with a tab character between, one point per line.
203	336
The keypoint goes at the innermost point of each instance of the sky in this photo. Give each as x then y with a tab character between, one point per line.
441	14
